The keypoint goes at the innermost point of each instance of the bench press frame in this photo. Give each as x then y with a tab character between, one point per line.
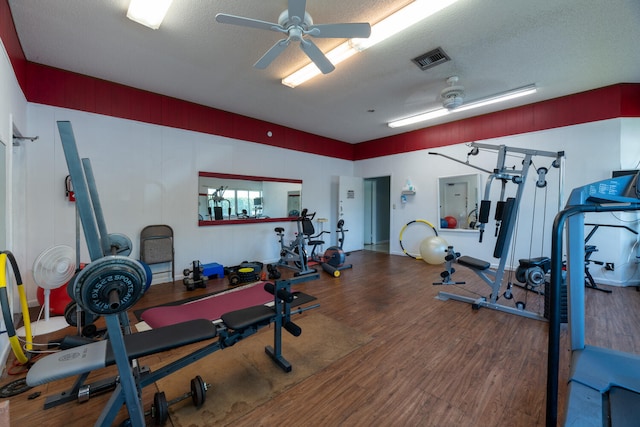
140	377
128	390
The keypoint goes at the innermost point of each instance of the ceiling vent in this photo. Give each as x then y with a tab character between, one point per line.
431	59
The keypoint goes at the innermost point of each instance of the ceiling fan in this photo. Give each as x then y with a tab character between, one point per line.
453	95
298	26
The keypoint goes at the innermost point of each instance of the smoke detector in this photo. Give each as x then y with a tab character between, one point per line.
453	95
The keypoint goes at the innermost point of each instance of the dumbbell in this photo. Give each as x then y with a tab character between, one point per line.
274	274
160	408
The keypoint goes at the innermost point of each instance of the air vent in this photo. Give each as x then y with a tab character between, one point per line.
431	59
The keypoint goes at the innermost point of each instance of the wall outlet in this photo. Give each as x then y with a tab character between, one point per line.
609	266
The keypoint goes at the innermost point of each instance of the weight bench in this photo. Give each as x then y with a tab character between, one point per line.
99	354
232	328
111	284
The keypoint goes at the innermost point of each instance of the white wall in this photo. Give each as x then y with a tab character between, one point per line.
592	151
148	174
13	110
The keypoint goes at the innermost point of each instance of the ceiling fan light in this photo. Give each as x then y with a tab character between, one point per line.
149	13
452	102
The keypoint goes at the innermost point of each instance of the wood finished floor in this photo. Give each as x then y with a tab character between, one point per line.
429	363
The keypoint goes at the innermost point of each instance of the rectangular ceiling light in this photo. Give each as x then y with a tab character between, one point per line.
419	118
429	115
149	13
501	97
389	26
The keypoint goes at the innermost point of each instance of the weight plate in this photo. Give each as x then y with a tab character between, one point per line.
71	315
198	391
148	275
234	280
14	388
120	244
109	285
160	410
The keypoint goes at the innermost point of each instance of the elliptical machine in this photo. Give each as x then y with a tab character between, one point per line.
294	255
333	259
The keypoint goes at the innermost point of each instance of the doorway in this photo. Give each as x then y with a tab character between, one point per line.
377	217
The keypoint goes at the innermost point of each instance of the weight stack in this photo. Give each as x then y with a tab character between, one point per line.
563	300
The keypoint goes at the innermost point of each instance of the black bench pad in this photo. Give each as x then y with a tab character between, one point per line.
241	319
165	338
475	263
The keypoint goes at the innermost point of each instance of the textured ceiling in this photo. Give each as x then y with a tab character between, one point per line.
563	47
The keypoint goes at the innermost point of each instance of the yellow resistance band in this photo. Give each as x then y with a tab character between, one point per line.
424	221
4	300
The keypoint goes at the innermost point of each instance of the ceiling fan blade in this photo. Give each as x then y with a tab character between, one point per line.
272	54
356	30
223	18
315	54
297	8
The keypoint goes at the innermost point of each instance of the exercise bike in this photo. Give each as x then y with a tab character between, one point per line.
294	255
333	259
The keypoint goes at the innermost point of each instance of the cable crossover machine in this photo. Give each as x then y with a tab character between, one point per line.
506	213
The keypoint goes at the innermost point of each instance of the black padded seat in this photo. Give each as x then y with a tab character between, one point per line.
475	263
165	338
241	319
542	262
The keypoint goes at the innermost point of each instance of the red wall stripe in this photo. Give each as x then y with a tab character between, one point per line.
620	100
9	37
56	87
53	86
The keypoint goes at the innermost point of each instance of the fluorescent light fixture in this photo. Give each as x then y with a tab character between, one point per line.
149	13
505	96
419	118
389	26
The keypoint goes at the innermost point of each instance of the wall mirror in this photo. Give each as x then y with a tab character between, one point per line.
239	199
459	198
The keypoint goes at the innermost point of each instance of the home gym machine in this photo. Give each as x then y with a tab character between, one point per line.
506	213
215	204
604	384
294	256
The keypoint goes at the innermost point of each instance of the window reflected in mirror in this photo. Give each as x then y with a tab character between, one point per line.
230	199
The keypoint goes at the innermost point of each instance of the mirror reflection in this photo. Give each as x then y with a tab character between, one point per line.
230	199
459	199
